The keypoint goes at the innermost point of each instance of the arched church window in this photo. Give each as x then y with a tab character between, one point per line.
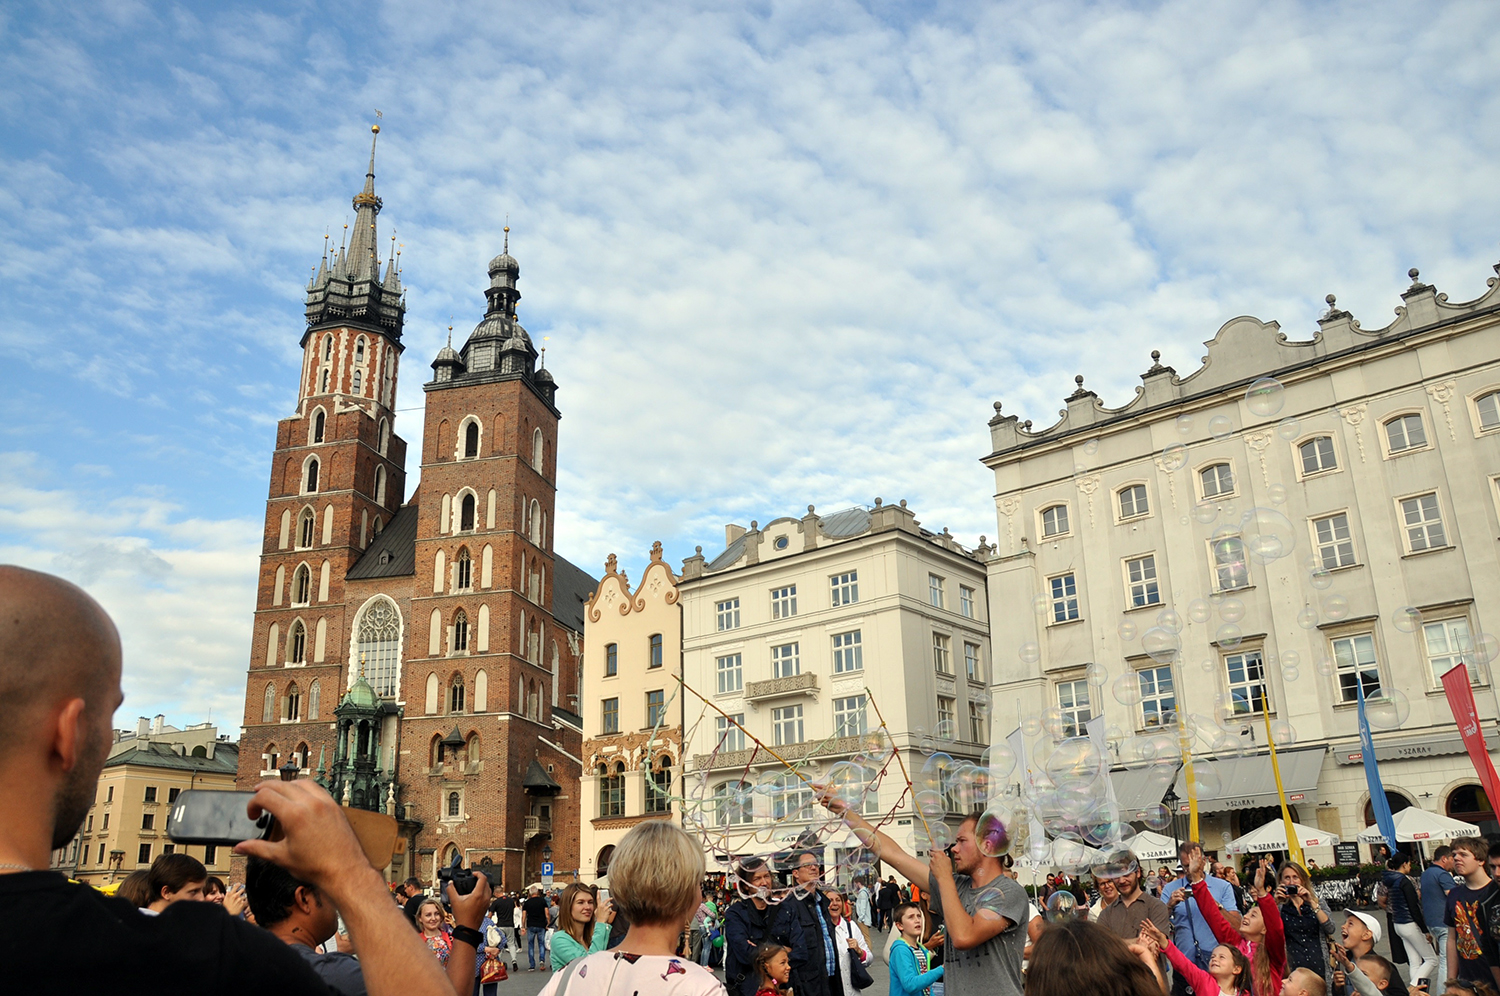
466	513
293	711
302	585
380	485
318	422
460	631
379	637
385	436
471	439
453	803
463	567
537	450
296	644
328	347
314	699
359	350
268	708
357	375
536	522
323	383
312	475
307	525
456	694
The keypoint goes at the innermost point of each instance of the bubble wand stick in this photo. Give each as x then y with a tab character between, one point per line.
870	696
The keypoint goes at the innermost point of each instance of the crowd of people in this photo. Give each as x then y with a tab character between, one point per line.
313	916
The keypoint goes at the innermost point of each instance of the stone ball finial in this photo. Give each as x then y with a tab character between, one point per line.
1156	356
1027	424
754	524
1078	380
879	502
982	539
811	509
698	549
997	408
903	502
1331	300
1414	273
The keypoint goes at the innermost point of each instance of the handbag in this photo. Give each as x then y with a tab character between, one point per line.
493	970
859	976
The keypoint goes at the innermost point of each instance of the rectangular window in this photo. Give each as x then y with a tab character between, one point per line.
656	708
945	709
1064	591
786	660
845	588
1317	456
1355	664
1140	577
935	590
211	854
729	614
1448	645
730	736
1231	569
611	659
89	827
110	794
143	856
1055	521
848	653
966	601
787	724
172	794
150	793
1405	433
655	650
1073	701
1158	698
973	669
730	679
784	602
169	849
105	824
941	658
1133	501
1424	523
849	716
148	821
610	722
793	800
1247	683
101	853
1218	480
978	728
1335	547
734	803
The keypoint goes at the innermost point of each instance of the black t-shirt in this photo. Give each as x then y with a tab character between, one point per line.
504	909
535	909
60	936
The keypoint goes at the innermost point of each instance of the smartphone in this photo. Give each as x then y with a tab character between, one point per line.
201	816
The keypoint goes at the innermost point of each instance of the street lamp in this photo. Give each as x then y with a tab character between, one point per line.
1170	800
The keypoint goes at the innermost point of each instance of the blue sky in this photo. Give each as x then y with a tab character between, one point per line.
782	253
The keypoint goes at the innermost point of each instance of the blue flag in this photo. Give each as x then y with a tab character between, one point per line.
1378	802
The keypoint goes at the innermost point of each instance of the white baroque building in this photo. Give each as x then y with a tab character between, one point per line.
1286	506
791	630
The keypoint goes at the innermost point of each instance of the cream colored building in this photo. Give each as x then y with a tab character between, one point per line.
632	719
792	630
125	828
1284	506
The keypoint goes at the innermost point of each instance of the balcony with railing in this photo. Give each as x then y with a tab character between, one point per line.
796	684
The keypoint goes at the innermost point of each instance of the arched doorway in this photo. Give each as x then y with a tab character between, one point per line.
1396	800
601	863
1470	804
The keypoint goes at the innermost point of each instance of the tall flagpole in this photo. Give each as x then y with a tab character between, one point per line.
1293	844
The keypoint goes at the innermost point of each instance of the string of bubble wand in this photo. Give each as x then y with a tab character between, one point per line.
905	775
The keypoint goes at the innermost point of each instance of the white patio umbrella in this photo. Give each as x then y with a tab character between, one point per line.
1413	824
1150	846
1272	837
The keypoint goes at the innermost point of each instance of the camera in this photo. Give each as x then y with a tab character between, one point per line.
464	879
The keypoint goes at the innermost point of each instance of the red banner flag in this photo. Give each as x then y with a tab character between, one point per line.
1461	701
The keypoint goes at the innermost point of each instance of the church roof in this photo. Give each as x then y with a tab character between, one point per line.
394	552
571	588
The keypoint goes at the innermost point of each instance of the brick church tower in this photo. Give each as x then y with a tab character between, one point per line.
421	659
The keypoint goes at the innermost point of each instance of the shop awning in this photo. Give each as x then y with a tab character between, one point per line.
1248	782
1138	788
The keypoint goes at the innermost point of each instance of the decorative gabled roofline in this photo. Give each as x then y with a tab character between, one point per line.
1243	350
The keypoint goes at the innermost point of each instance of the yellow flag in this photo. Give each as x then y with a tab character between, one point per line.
1293	844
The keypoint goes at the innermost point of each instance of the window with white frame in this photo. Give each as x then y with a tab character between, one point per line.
730	736
730	676
942	656
1064	594
1334	542
728	612
972	665
1217	480
1140	581
1073	701
1405	432
1133	501
1246	676
785	660
609	716
844	588
733	803
656	708
978	724
945	712
1423	520
1355	664
784	602
966	601
1231	569
1317	456
1448	644
1487	407
786	724
1054	520
1158	697
849	716
935	590
793	800
848	653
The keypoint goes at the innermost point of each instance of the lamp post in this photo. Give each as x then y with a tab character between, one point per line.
1170	800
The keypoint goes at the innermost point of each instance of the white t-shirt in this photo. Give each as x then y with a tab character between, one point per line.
614	973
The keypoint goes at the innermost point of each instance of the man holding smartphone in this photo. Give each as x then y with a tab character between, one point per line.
59	688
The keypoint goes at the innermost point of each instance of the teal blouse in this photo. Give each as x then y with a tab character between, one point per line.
565	949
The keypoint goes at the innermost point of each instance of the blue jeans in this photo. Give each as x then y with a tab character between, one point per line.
536	945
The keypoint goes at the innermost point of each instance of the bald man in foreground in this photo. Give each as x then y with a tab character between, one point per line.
59	688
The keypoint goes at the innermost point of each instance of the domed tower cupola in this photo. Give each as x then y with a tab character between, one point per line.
448	363
504	273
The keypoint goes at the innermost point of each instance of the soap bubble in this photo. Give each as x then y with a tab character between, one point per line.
1162	645
1052	722
1205	512
1289	429
1173	457
1091	446
1485	649
1265	397
1320	578
1207	665
1291	659
1268	535
1156	816
1030	652
992	833
1198	610
935	836
1229	636
1031	726
1282	733
1290	673
943	732
929	803
1307	618
1114	862
1335	607
1079	470
1325	667
1169	620
1127	630
1228	511
1127	690
1097	674
1185	424
1220	427
1407	619
1061	903
1071	854
1231	610
1041	604
927	744
1206	780
1000	760
1390	711
1277	494
1076	757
